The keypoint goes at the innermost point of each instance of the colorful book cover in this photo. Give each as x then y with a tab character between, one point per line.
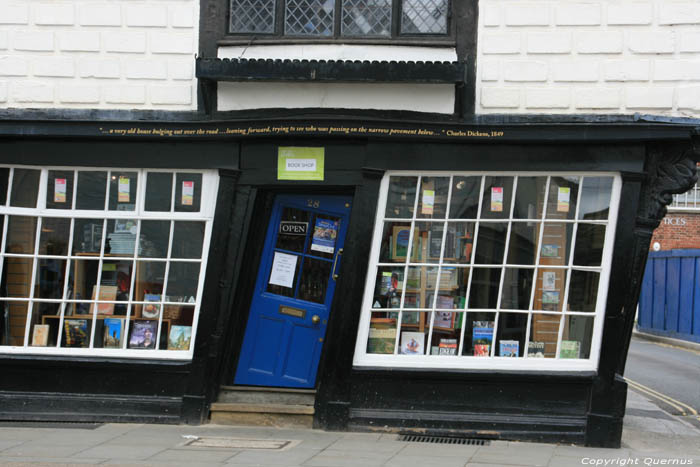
381	338
143	334
151	310
412	343
113	328
535	349
482	337
570	349
180	338
443	319
107	293
325	234
447	347
76	333
40	336
509	348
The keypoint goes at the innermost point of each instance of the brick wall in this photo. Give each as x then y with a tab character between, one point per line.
566	56
98	54
678	230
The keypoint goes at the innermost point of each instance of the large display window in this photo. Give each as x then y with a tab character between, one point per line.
489	270
106	262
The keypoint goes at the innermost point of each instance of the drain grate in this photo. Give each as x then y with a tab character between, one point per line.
239	443
443	440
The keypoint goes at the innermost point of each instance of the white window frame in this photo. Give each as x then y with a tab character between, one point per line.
445	362
209	190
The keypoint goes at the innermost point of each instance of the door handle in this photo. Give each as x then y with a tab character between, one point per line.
335	263
315	319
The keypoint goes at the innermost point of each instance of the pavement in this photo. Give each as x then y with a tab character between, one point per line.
651	437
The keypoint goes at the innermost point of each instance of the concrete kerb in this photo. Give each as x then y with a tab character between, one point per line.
667	340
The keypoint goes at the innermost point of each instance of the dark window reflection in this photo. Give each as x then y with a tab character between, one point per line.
595	198
4	181
54	236
91	190
314	280
49	278
484	289
491	243
590	240
159	190
87	236
401	197
517	288
510	339
529	197
187	240
465	197
21	234
154	239
25	188
583	291
522	247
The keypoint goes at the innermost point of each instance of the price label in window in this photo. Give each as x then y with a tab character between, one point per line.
187	193
563	199
59	190
123	192
428	202
497	199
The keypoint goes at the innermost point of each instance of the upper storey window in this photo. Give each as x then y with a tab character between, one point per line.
340	18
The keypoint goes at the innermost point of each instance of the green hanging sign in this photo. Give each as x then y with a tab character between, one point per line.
294	163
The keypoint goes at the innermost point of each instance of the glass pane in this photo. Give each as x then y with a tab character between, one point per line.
153	242
491	243
453	288
252	16
394	243
459	242
388	287
43	331
87	236
465	197
109	333
517	287
427	242
446	332
366	18
76	332
563	193
54	236
13	322
590	240
576	338
116	282
314	280
121	237
432	203
556	243
498	194
122	191
49	278
583	291
401	197
92	188
478	334
510	339
309	17
59	192
183	280
179	322
148	287
420	286
382	333
522	247
323	236
25	188
529	198
424	17
413	342
188	192
4	182
17	277
484	288
188	238
549	292
283	274
159	191
21	235
82	277
544	332
293	229
595	198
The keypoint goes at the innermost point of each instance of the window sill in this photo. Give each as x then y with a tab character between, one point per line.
413	41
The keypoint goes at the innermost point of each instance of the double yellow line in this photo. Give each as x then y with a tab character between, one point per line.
683	408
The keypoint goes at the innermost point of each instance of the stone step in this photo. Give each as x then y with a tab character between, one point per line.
277	415
260	395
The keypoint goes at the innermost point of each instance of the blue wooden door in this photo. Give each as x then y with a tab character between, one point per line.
294	290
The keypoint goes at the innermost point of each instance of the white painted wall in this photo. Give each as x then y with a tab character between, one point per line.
568	56
105	54
381	96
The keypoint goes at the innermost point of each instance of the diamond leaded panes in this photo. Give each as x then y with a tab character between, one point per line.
424	17
252	16
366	18
309	17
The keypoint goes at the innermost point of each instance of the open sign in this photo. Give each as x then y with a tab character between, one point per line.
294	228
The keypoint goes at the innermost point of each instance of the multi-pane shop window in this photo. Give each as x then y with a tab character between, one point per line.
339	18
492	270
101	261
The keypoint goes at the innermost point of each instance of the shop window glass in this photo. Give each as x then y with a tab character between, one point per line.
424	16
72	286
188	192
4	183
159	191
503	266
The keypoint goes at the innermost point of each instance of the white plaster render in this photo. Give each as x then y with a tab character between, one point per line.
104	54
384	96
589	56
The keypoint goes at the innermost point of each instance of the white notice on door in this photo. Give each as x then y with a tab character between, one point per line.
283	268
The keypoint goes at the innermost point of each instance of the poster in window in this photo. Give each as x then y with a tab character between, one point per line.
563	198
123	190
187	193
549	279
550	297
283	268
325	234
428	202
497	199
59	190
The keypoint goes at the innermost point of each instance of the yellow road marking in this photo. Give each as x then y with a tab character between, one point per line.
682	407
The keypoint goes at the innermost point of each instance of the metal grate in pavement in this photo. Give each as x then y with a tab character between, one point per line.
443	440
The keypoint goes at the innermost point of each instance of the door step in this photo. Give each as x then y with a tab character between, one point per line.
278	407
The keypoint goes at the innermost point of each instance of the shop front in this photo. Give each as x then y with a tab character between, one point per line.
458	280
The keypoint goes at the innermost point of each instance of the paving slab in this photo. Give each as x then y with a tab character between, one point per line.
47	461
367	445
439	450
401	460
515	453
9	443
193	455
333	458
39	449
120	451
598	453
295	456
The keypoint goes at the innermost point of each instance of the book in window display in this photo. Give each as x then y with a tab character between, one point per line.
444	319
75	333
382	336
535	349
151	310
113	329
40	335
570	349
482	337
509	348
412	343
180	338
107	293
143	334
447	347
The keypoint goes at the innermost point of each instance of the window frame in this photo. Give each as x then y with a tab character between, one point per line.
396	36
209	190
365	360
